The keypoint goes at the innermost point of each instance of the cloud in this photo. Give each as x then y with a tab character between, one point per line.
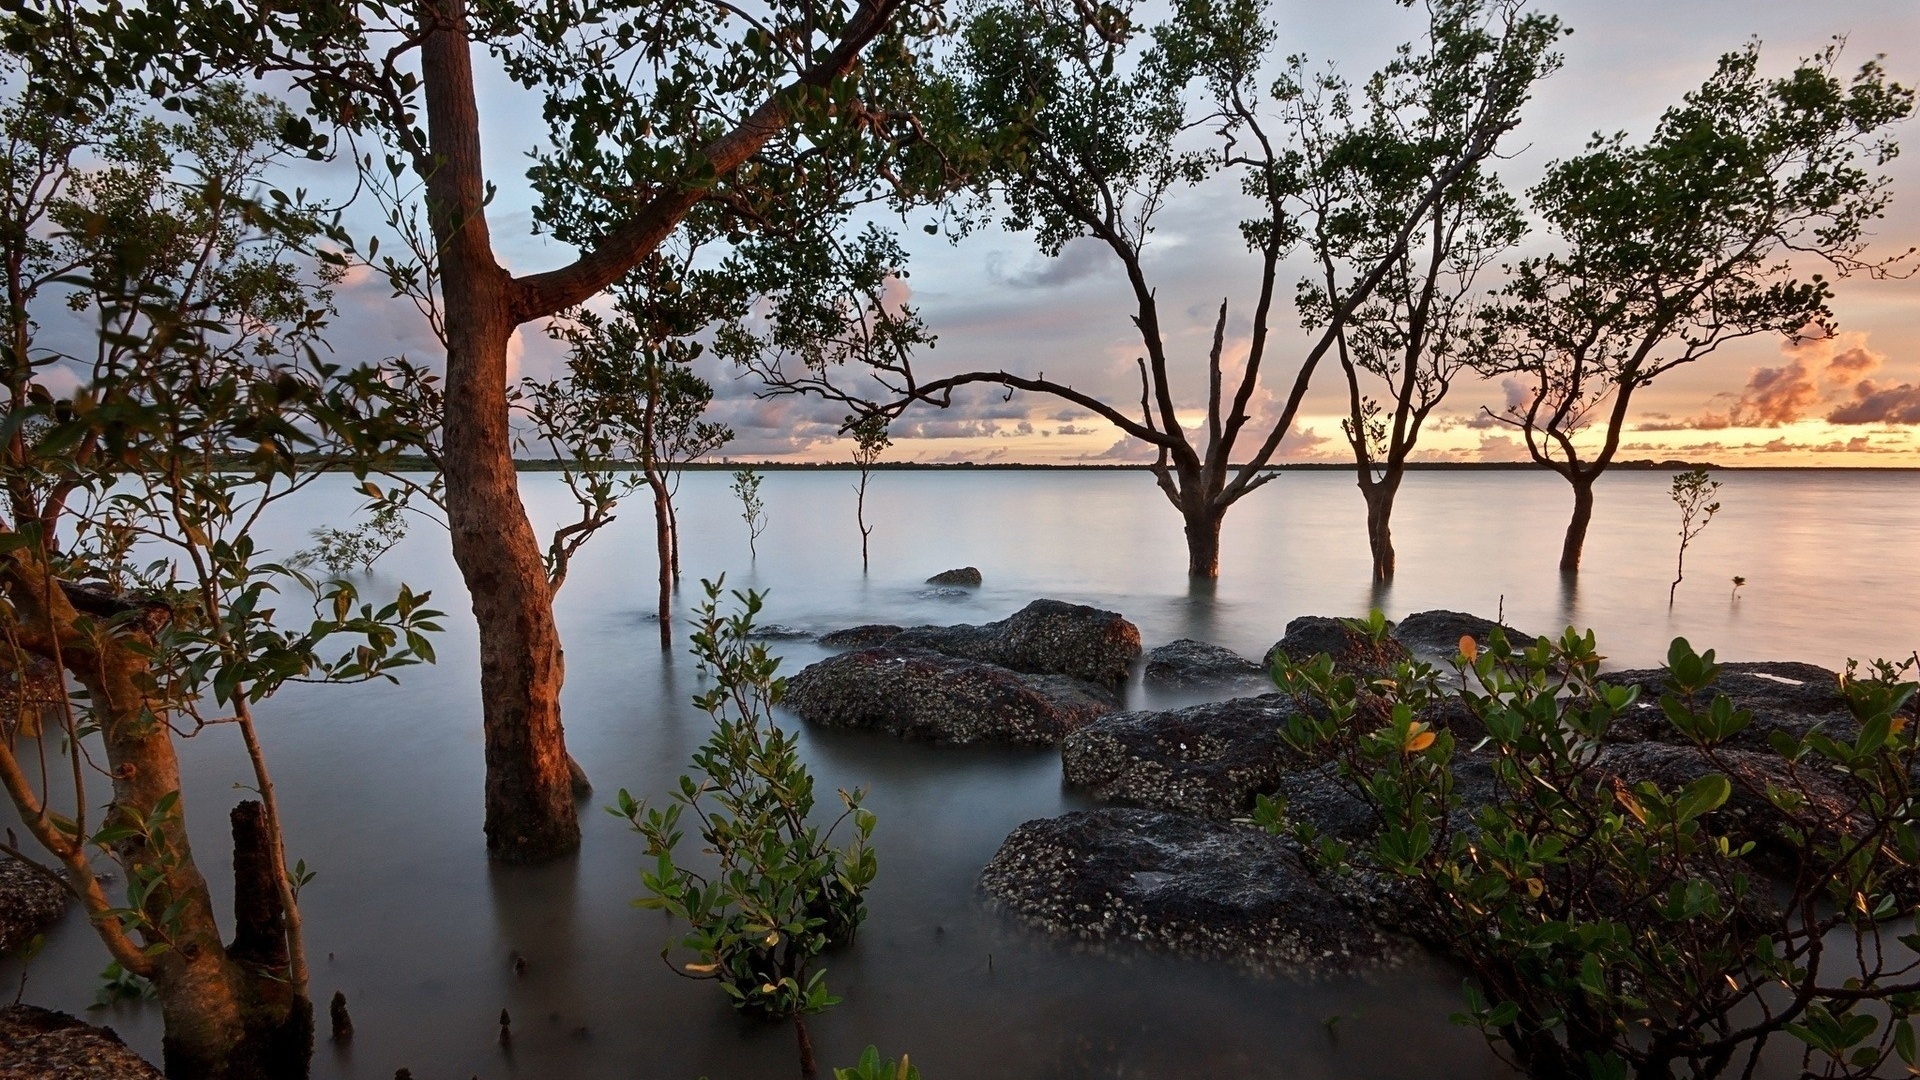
1874	404
1074	429
1818	370
964	456
1078	260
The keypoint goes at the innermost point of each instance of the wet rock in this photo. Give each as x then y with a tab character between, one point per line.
921	694
945	592
778	632
1182	884
1437	633
1187	662
40	1044
1310	635
965	575
29	903
1047	637
859	637
1783	696
1319	798
1210	760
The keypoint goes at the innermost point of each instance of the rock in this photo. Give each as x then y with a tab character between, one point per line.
945	592
1182	884
1210	760
1747	814
778	632
921	694
29	903
1310	635
1319	798
965	575
1047	637
1783	696
40	1044
1437	633
859	637
1187	662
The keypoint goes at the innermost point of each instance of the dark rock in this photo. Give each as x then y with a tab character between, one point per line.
778	632
1748	814
1437	633
945	592
1310	635
1209	760
918	693
1783	696
1318	797
859	637
30	902
965	575
1047	637
40	1044
1187	662
1182	884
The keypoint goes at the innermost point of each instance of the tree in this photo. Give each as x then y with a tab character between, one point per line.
638	398
194	402
1677	246
1419	330
1103	133
870	440
654	110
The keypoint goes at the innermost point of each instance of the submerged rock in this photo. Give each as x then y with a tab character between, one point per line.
859	637
1187	662
965	575
29	903
1437	633
1310	635
1047	637
921	694
1182	884
1209	760
40	1044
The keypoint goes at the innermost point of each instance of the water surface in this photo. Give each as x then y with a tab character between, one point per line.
381	784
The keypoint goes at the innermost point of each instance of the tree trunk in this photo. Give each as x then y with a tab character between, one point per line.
663	545
529	804
1379	495
1203	542
1577	525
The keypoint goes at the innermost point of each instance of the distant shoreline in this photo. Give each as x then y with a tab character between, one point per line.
1638	465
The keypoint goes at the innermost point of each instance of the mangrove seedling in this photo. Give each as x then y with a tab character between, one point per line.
746	486
782	892
1692	491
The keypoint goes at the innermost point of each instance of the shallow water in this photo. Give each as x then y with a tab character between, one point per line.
381	784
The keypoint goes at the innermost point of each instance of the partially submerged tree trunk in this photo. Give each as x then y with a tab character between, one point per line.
1203	542
231	1013
1379	494
1576	539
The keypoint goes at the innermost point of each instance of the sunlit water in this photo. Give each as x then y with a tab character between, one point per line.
381	784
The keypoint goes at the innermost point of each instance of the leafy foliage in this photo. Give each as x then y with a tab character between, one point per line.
780	892
1616	928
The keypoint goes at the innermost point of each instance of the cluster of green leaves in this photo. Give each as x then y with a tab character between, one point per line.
872	1067
779	891
1615	928
341	550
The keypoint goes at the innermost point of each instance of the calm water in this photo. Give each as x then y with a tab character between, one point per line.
382	783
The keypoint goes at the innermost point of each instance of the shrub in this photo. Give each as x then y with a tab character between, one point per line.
781	892
1614	928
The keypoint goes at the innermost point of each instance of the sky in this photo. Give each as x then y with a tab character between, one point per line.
994	301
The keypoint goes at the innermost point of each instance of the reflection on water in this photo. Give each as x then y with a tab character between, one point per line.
382	784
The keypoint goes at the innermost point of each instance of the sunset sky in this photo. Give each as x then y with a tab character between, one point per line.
994	301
